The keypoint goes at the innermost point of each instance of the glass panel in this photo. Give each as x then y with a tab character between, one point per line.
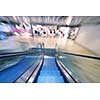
82	69
6	62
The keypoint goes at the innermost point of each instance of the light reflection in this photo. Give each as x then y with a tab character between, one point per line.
69	19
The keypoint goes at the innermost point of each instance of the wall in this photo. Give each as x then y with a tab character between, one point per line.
89	37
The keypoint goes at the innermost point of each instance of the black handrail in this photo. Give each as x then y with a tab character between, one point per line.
17	53
80	55
29	51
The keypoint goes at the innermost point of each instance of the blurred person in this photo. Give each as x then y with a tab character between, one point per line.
62	34
3	36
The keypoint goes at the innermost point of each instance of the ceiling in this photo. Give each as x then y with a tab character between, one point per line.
52	20
85	20
36	19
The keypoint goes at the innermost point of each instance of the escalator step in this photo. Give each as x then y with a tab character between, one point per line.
51	68
49	71
50	79
46	73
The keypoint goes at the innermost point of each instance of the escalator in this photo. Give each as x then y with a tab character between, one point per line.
18	67
49	72
35	66
12	73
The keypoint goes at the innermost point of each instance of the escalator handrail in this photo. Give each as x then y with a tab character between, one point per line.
16	54
19	79
80	55
30	51
35	73
69	74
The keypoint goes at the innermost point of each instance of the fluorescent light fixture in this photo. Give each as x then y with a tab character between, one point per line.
69	19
